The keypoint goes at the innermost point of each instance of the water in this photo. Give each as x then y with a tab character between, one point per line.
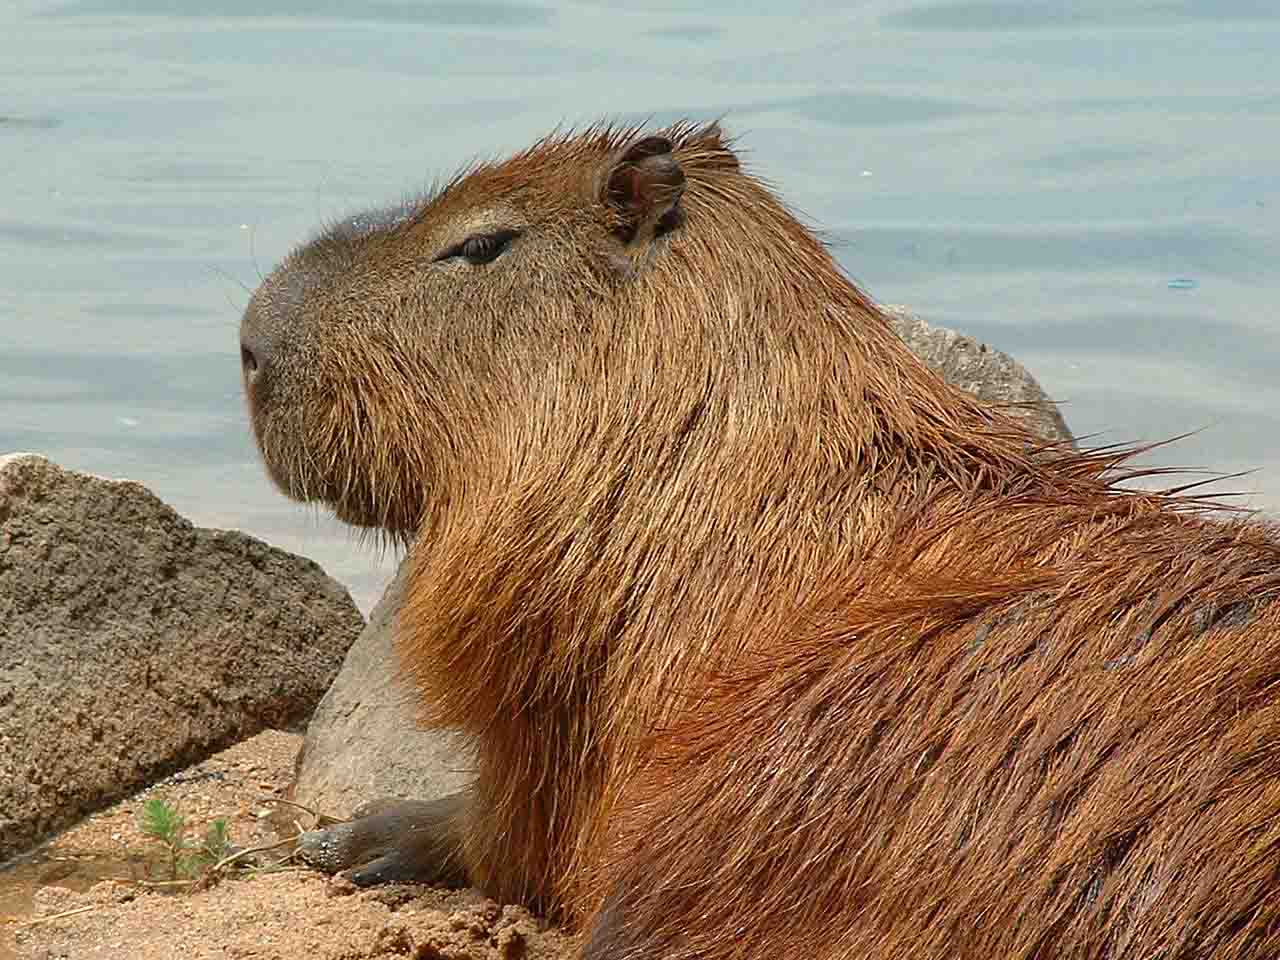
1035	174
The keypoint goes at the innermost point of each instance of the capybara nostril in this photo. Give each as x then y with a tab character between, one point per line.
257	345
248	360
261	329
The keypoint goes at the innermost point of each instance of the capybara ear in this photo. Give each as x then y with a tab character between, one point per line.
642	186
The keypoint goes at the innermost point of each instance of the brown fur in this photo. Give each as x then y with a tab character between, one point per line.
773	643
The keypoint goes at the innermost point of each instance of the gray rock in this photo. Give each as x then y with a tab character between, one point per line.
988	373
363	742
133	643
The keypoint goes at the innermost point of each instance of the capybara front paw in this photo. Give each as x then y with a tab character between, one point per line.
391	841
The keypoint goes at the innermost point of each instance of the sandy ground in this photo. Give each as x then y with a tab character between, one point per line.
282	914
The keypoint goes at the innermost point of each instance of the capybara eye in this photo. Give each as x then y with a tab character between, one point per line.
481	248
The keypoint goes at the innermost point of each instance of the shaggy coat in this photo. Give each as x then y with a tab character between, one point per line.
773	643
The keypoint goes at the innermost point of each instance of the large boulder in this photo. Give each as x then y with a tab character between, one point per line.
364	743
133	643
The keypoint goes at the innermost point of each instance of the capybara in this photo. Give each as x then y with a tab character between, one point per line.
772	643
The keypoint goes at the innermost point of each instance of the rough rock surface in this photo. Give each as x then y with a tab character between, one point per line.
988	373
363	742
133	643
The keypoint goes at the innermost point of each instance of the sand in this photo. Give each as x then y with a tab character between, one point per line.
288	913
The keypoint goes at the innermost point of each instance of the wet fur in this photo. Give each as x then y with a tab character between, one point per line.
773	643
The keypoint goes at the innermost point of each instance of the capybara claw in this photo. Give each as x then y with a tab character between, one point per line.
329	849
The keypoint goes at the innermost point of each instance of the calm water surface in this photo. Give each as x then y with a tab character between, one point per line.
1032	173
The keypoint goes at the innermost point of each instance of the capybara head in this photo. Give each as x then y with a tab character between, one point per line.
396	343
627	287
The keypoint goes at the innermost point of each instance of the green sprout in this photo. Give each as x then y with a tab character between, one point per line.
187	858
